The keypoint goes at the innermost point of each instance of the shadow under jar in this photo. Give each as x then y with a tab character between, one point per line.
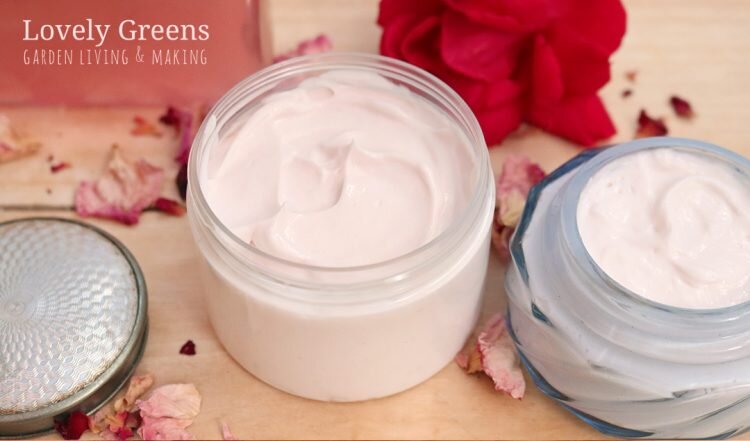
342	333
625	364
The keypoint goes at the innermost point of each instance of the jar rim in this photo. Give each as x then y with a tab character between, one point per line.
585	173
236	98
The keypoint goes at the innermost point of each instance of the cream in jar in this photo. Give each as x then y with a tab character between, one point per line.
671	226
345	169
342	205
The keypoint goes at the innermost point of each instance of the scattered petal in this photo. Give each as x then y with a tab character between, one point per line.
627	92
144	127
169	411
648	126
138	385
631	75
517	177
469	359
169	206
499	358
182	121
13	146
179	401
681	107
48	190
60	166
188	348
226	432
122	192
164	429
316	45
73	426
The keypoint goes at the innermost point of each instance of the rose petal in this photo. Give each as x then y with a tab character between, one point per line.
420	45
681	107
509	15
188	348
631	75
315	45
165	429
394	9
602	22
13	146
144	127
180	401
516	178
626	93
584	65
469	359
137	386
499	358
648	126
182	121
478	51
169	206
122	192
73	426
55	168
580	119
501	235
226	432
499	122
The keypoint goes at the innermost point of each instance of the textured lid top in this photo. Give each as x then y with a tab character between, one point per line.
70	297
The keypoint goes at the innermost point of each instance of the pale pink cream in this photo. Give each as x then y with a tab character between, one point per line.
345	169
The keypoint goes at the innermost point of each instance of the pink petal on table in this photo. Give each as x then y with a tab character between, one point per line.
164	429
499	358
179	401
13	146
226	432
315	45
138	385
517	177
122	192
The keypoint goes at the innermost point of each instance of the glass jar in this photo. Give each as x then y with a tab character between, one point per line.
343	334
626	365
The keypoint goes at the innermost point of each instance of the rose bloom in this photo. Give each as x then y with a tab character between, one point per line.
538	61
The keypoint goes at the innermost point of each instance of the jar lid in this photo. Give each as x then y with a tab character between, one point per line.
73	321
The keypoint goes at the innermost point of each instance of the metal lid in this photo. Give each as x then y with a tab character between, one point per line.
72	321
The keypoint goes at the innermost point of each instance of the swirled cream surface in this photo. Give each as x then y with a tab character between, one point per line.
344	169
671	226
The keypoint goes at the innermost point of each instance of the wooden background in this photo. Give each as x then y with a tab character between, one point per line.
694	48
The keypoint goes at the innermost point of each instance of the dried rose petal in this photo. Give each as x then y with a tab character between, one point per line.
188	348
182	181
493	353
648	126
137	386
73	426
60	166
517	177
631	75
226	432
182	121
316	45
164	429
169	206
122	192
13	146
169	411
499	358
180	401
681	107
626	93
144	127
124	433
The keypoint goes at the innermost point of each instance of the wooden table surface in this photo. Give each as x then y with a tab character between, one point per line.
696	49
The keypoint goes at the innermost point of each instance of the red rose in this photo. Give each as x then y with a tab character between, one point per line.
539	61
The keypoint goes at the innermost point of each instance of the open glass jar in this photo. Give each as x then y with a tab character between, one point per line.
353	333
628	366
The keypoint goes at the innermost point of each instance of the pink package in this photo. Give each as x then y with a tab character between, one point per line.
145	52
